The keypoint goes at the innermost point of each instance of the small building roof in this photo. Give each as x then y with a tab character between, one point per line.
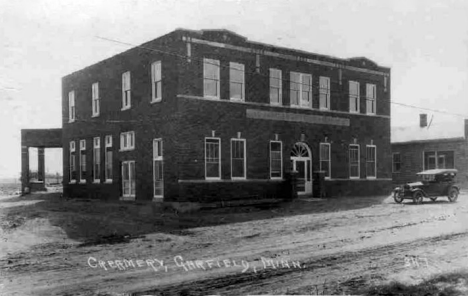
437	171
436	131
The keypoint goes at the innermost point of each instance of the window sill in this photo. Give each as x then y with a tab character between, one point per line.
94	115
371	178
128	149
277	178
156	100
158	198
236	100
108	182
211	98
354	112
276	104
354	178
128	197
72	182
324	109
212	179
97	182
82	182
238	178
71	121
125	108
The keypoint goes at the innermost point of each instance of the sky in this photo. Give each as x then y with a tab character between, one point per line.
424	42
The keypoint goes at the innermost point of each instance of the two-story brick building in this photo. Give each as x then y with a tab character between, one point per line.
209	115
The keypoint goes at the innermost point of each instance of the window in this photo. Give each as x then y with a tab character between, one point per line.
354	161
325	161
71	106
108	159
236	81
324	93
127	141
371	161
82	161
354	97
126	95
301	90
396	163
128	178
276	160
211	78
156	81
371	95
275	87
95	99
158	168
238	159
438	160
72	162
97	159
212	158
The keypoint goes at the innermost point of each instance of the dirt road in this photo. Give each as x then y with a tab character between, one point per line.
305	247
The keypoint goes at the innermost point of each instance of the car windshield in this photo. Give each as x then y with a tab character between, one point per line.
427	178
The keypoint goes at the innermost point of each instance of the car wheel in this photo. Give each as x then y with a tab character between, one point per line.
433	198
453	194
397	197
418	197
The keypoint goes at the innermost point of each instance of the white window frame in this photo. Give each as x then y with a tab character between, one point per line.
371	99
219	158
329	158
156	79
71	107
96	103
355	97
241	68
324	90
127	141
280	88
393	162
218	78
130	195
96	146
301	86
375	162
245	158
126	87
271	160
108	161
83	148
72	167
359	160
158	157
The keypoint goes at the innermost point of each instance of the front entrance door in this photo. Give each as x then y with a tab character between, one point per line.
301	163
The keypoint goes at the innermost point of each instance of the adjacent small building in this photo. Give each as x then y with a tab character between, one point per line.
208	115
433	145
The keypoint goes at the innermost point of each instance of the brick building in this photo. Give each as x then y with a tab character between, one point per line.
426	146
209	115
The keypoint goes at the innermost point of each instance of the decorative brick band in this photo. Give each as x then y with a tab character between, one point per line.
295	117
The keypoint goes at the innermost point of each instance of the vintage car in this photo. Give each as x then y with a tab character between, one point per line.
431	184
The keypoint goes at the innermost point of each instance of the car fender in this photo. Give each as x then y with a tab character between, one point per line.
418	189
453	186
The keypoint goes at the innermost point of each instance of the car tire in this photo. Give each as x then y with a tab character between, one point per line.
452	194
397	198
433	198
418	197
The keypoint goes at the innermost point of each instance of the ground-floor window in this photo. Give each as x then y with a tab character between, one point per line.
354	161
108	159
438	160
82	160
158	167
128	178
97	159
371	161
276	160
212	158
72	162
325	161
396	163
238	159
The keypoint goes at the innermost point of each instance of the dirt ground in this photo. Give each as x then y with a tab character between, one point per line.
51	246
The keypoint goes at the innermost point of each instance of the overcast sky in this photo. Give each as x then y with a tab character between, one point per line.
424	42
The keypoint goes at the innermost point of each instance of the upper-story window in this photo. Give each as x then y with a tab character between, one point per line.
275	87
211	78
126	93
71	106
324	93
95	99
354	97
396	167
156	81
301	90
127	141
371	96
236	81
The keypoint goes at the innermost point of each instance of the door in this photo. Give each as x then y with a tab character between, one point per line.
301	163
128	179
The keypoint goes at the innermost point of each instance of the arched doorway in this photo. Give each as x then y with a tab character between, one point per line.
301	159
